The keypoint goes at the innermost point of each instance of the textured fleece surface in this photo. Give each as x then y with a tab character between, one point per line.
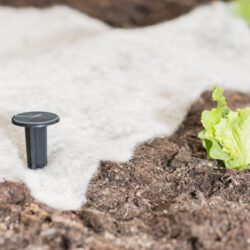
112	89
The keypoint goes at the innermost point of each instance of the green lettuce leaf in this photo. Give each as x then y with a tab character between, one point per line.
243	9
226	133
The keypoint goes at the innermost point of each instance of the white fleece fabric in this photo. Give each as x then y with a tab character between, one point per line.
112	88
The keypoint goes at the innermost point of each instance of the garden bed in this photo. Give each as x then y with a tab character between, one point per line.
168	196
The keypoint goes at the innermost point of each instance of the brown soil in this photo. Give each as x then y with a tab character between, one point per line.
121	13
167	197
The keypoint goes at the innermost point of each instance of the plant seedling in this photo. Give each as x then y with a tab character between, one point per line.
226	133
243	9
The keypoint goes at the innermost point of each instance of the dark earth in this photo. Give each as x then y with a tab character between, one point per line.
121	13
168	196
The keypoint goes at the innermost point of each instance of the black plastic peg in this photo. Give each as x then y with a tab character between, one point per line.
35	124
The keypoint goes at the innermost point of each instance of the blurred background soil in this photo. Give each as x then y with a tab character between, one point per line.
121	13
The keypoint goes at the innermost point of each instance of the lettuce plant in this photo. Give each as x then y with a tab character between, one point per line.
226	133
243	9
